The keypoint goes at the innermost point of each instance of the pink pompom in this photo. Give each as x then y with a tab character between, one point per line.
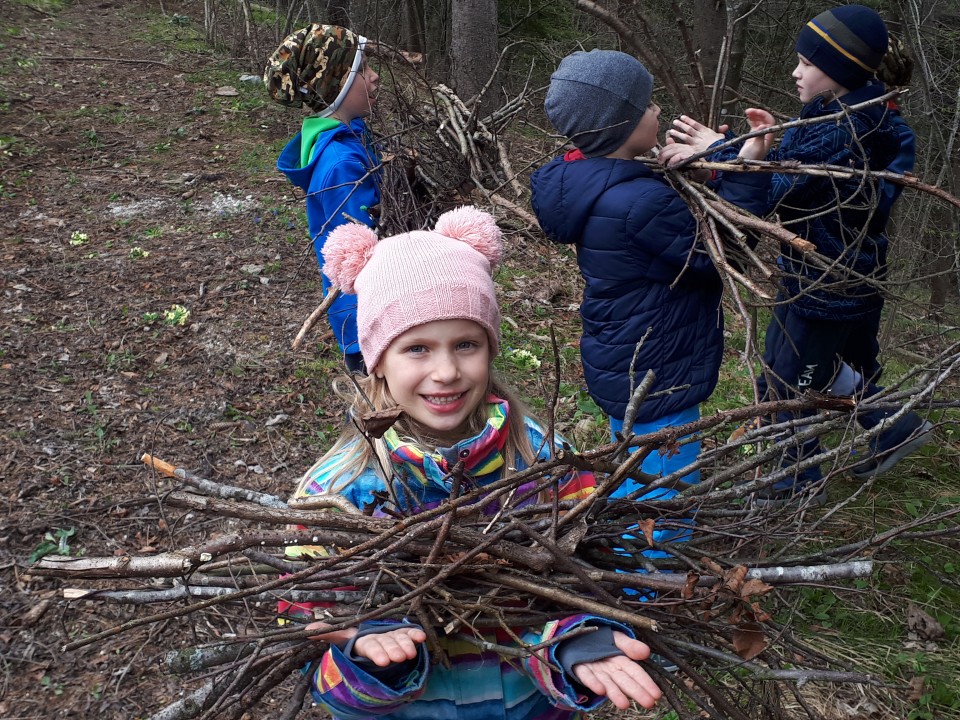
346	252
476	228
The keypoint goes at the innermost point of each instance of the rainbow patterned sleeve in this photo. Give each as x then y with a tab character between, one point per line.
350	693
562	690
575	485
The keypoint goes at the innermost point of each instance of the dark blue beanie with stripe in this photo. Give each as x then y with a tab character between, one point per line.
848	43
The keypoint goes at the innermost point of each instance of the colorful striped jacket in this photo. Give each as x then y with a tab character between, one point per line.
479	684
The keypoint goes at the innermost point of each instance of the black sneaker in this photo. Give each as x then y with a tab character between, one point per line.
889	448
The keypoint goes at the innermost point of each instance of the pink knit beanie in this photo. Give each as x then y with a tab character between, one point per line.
418	277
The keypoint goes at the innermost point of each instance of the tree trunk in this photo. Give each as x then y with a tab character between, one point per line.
413	31
473	47
719	32
937	147
709	25
737	13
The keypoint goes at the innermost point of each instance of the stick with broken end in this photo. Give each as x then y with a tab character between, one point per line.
332	295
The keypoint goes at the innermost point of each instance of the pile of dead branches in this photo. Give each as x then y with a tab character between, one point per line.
709	605
438	149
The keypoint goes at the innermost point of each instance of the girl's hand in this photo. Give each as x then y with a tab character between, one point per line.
383	649
619	678
689	132
758	147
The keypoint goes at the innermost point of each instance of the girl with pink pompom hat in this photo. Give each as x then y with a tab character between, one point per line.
428	328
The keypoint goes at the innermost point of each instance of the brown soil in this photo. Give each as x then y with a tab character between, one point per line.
131	146
134	183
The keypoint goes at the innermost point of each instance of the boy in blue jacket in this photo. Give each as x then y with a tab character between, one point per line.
823	334
323	67
644	268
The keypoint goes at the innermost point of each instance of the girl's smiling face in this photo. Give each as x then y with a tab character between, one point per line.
439	373
812	81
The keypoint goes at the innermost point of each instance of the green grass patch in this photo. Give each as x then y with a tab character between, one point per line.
903	624
320	369
46	6
874	624
735	385
178	31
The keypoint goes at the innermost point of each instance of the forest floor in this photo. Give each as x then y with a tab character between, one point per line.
137	181
138	175
137	184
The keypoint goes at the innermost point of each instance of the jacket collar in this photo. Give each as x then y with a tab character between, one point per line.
481	454
872	89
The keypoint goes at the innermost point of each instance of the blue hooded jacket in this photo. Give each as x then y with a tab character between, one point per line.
643	268
339	178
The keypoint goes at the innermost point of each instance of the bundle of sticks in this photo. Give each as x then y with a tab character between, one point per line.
711	604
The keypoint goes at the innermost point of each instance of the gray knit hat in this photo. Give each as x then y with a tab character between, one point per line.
597	98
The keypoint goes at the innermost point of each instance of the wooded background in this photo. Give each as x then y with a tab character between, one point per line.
507	48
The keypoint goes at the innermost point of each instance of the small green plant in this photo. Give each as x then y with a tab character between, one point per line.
149	318
49	684
78	238
106	444
55	541
138	253
586	407
121	360
522	361
176	316
89	405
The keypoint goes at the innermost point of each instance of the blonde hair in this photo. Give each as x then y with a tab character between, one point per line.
355	452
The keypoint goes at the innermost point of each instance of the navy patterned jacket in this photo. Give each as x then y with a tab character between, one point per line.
845	219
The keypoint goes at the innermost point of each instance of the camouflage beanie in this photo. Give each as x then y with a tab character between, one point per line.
314	66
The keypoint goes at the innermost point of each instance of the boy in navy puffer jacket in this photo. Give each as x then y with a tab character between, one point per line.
823	334
646	275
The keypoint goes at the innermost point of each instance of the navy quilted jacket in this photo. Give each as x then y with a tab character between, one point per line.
637	248
844	219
